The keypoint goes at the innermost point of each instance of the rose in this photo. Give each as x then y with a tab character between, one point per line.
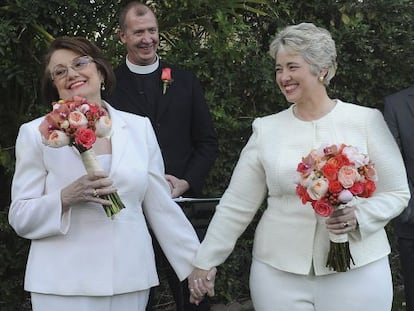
166	74
85	138
166	79
371	173
77	119
302	168
84	108
330	171
103	126
338	161
322	208
355	157
318	188
58	115
347	176
345	196
369	189
335	186
311	158
45	129
302	194
57	139
307	180
357	188
330	150
94	109
60	106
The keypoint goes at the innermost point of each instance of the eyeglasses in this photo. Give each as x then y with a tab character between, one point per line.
77	64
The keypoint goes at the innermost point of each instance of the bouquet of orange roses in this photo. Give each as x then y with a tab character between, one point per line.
77	123
329	178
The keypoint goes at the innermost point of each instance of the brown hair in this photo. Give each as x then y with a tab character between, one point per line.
81	46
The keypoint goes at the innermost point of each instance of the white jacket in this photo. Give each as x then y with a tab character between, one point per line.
84	252
290	236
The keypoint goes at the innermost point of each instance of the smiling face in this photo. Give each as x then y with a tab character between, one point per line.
84	81
140	37
294	77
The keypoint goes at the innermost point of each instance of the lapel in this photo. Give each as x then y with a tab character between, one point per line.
164	100
410	100
119	137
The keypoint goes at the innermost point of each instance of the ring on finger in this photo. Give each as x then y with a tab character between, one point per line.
345	224
95	193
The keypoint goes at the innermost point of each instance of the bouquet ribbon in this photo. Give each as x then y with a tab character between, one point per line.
91	165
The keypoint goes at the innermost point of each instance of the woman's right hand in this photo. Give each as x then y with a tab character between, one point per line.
87	188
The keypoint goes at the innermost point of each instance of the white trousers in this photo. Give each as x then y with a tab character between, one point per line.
368	288
135	301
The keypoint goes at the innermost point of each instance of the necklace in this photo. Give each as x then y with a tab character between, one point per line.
312	116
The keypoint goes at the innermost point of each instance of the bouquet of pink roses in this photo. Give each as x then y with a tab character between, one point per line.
330	177
77	123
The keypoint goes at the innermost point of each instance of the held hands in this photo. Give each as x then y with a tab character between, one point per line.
342	220
87	188
177	186
201	282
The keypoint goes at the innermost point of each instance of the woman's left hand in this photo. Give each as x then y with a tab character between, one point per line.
342	220
87	188
201	282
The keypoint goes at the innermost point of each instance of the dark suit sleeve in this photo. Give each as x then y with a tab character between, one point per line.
204	141
391	119
399	117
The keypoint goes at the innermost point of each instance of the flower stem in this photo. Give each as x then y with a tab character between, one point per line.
116	204
339	257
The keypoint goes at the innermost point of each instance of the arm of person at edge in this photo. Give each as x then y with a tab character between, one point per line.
393	119
200	283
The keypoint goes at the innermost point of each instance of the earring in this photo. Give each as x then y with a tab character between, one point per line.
103	86
321	78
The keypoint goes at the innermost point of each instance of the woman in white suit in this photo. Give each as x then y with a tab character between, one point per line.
79	258
291	243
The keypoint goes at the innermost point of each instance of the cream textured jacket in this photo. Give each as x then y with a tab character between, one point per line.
290	236
84	252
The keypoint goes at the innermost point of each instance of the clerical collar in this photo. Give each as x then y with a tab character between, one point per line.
143	69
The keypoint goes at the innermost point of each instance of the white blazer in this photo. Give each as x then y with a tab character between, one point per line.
84	252
290	236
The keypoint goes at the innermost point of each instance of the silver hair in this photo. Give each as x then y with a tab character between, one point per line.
314	44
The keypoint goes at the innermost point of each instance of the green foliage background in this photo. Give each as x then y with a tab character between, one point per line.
225	43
